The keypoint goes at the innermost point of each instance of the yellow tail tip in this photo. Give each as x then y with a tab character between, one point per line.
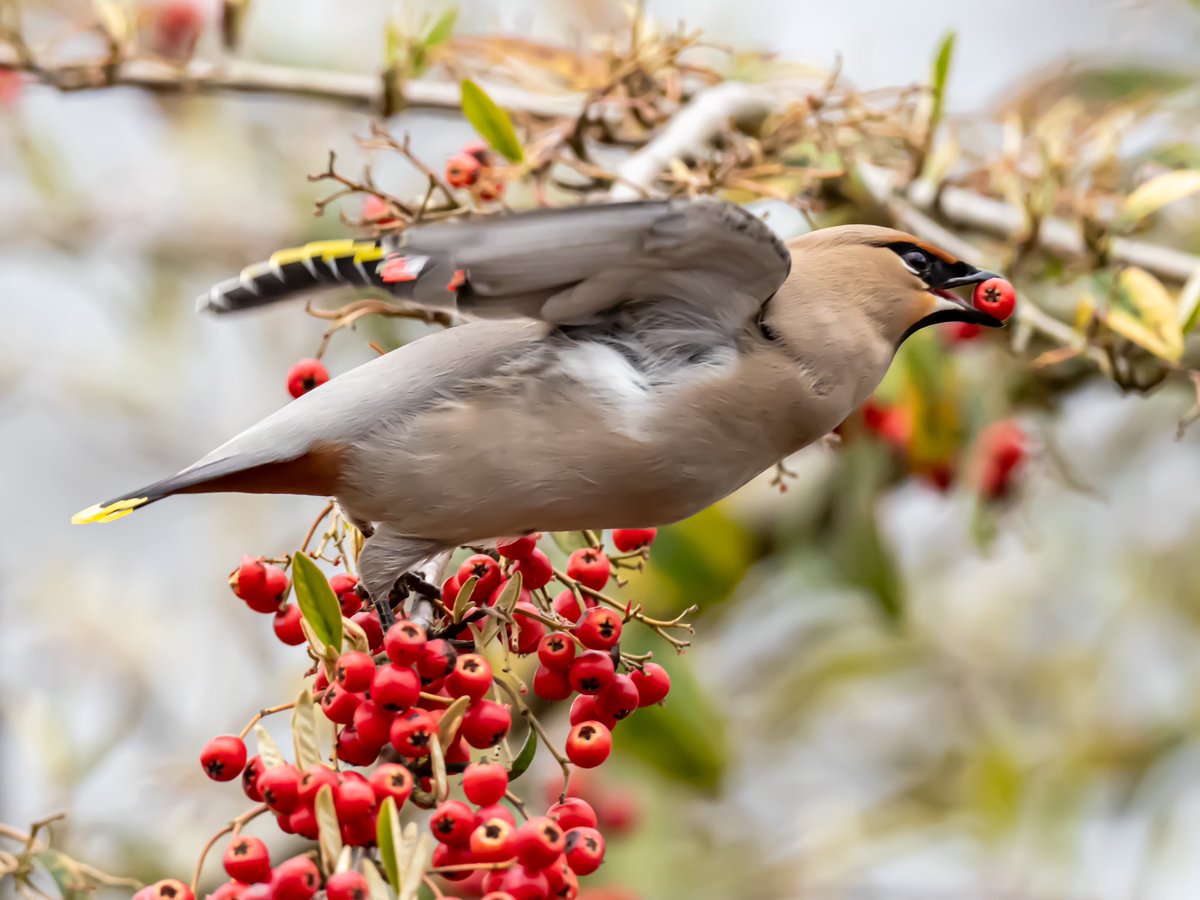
109	513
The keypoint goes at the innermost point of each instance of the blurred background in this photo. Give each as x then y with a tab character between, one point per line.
897	689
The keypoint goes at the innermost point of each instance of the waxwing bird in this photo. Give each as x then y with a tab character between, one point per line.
627	365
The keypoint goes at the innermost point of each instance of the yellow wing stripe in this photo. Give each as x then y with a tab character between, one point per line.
362	251
112	512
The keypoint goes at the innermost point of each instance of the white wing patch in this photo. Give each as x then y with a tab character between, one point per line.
613	382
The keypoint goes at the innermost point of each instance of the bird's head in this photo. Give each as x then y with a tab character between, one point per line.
884	279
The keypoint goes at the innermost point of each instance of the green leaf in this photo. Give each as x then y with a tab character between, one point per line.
387	836
493	123
462	602
267	748
304	732
1189	302
525	758
1156	193
442	28
318	604
71	883
941	72
329	834
569	541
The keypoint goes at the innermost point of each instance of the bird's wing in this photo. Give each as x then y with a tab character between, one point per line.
703	262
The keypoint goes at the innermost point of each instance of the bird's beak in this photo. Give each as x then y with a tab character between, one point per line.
952	307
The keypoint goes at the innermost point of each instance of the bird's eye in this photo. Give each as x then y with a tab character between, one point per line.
917	261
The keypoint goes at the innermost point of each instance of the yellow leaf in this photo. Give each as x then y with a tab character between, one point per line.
304	732
267	748
1155	194
328	832
1145	313
114	18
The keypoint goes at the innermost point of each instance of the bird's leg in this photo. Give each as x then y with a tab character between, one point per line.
385	559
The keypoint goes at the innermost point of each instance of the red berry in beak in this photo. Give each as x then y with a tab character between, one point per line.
306	375
996	297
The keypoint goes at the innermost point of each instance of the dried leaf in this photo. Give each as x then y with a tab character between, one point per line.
376	886
233	16
493	123
451	720
504	604
462	602
437	759
1143	312
304	732
1155	194
115	18
267	748
329	833
525	758
354	636
388	838
421	848
318	604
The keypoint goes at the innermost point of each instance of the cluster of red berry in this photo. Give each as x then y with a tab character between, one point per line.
419	700
474	168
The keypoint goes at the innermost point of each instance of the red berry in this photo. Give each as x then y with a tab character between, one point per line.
584	709
652	683
536	570
486	569
599	629
445	855
471	677
495	811
619	698
450	589
353	750
395	688
287	625
462	170
1001	448
257	892
230	890
392	780
529	631
345	587
494	840
373	724
354	671
960	332
589	744
306	375
261	586
486	724
247	860
585	850
250	774
339	704
996	297
347	885
498	895
404	643
551	684
488	188
556	651
412	733
223	757
368	621
629	539
540	841
485	783
377	211
280	787
518	547
589	567
525	885
437	661
567	605
314	778
591	671
564	884
175	28
354	799
573	813
452	823
167	889
296	879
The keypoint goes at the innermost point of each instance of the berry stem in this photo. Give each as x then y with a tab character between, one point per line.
529	717
235	826
262	714
313	529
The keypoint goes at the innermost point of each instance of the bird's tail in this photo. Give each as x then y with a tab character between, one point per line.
298	270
